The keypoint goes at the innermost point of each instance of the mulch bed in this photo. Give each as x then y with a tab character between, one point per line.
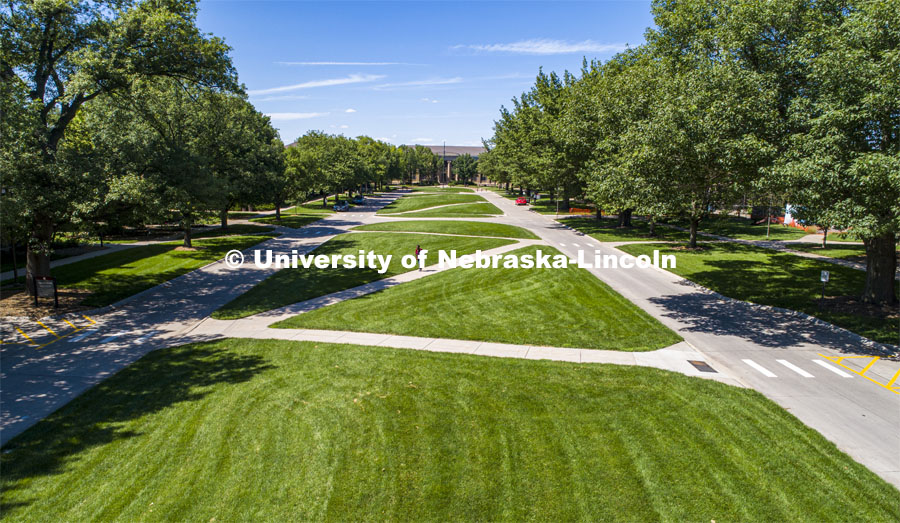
15	302
853	305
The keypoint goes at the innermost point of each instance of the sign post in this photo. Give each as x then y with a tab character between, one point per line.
824	279
45	287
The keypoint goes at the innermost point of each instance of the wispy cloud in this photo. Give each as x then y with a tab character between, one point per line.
294	116
422	141
352	79
421	83
429	100
351	110
281	98
546	46
346	63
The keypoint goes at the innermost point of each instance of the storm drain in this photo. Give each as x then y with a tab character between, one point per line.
702	366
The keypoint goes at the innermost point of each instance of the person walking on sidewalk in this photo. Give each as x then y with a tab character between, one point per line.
418	250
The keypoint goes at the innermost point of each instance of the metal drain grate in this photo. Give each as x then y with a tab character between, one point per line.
702	366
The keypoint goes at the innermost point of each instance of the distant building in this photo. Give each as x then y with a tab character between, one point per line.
452	152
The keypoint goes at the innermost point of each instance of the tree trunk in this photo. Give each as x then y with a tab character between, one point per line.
599	213
15	262
694	223
881	265
187	232
37	263
653	226
565	199
325	201
824	237
278	211
625	218
223	216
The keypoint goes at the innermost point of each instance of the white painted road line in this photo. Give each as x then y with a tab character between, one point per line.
765	372
576	245
110	338
145	337
795	368
562	244
833	369
82	336
590	245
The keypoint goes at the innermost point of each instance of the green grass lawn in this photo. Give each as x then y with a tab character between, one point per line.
289	286
294	221
431	188
774	278
743	229
423	201
120	274
547	206
842	251
552	307
468	210
497	230
607	230
233	229
270	430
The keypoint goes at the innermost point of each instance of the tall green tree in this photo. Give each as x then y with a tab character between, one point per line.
66	53
465	167
843	165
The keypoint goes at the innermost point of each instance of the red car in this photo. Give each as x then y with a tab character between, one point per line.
521	200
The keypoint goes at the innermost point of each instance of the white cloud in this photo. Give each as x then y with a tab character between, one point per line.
429	100
352	79
422	140
345	127
294	116
350	110
281	98
546	46
345	63
421	83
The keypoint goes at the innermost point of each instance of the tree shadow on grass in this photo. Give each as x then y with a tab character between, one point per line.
707	313
100	416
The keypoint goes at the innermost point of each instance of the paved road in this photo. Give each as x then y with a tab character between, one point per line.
774	353
860	416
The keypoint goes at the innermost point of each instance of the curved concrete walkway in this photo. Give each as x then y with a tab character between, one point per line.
855	410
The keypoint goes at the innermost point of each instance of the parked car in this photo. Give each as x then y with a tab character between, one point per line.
358	199
521	200
341	206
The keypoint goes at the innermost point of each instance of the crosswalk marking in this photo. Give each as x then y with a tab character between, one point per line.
145	337
795	368
764	371
82	336
833	369
112	337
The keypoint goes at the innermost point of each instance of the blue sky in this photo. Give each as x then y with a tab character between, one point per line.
409	72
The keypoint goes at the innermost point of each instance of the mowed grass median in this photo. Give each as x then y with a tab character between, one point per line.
271	430
120	274
497	230
289	286
415	202
551	307
775	278
466	210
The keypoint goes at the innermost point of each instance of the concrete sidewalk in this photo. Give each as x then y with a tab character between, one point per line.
776	352
674	358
